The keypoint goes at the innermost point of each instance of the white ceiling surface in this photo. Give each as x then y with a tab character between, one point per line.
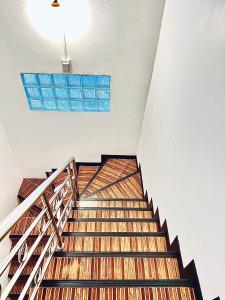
121	41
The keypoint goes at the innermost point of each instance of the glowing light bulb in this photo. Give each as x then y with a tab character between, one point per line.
72	17
55	3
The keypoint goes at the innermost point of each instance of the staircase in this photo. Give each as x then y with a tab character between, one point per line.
114	246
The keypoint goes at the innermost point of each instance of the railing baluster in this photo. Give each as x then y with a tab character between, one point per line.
53	221
54	214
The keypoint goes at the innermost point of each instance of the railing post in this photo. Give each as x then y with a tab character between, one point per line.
75	191
53	221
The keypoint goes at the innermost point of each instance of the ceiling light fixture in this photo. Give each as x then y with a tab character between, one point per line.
55	3
72	17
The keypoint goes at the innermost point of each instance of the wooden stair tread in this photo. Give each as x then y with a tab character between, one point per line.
28	185
84	176
28	268
111	268
175	293
130	187
23	224
110	172
110	214
138	204
111	227
129	244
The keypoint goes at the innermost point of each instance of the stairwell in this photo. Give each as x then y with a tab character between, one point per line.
114	246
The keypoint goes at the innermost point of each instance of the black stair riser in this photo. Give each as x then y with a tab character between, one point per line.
113	199
123	234
117	254
112	208
152	220
117	283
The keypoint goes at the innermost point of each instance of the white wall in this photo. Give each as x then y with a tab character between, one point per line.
10	180
182	145
121	42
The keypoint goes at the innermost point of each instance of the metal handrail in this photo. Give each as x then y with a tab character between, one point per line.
49	222
7	224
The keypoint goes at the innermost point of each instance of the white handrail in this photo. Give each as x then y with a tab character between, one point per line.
20	210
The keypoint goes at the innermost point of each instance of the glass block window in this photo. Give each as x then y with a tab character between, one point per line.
67	92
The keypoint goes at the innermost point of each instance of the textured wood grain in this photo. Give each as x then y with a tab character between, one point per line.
111	227
84	176
128	188
117	244
28	185
112	268
116	294
111	171
30	242
134	204
110	214
24	223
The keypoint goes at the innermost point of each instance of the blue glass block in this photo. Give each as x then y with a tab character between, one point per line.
90	106
76	105
63	105
103	81
47	93
59	80
73	80
29	79
32	93
103	106
88	80
61	93
103	94
44	79
89	94
35	104
75	94
49	104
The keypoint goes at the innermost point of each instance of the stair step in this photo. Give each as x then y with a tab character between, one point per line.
128	187
88	226
114	203
111	214
120	293
28	185
84	176
17	289
107	243
27	269
24	223
111	171
112	268
30	242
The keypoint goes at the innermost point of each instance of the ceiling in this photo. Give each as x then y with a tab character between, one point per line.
120	42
